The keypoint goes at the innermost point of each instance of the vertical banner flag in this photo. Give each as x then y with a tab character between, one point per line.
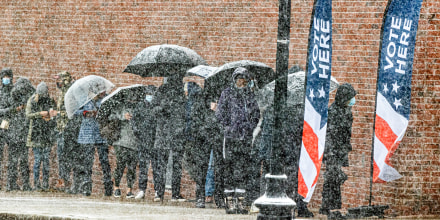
394	83
317	96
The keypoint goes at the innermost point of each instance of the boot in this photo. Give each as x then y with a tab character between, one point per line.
240	201
230	203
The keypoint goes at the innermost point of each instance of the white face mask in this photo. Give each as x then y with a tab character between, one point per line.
148	98
165	80
352	102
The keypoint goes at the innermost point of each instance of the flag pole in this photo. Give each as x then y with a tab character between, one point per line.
370	210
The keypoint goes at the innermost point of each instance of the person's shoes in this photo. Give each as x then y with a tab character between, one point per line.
130	195
305	213
200	203
178	198
209	199
230	205
108	189
26	187
87	193
140	195
117	193
157	198
336	215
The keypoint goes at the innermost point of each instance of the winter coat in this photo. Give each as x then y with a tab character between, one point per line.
143	124
195	110
127	138
340	119
169	109
41	132
62	118
89	131
18	123
238	112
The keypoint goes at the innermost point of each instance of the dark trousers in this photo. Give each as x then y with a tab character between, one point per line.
236	157
160	165
41	156
125	157
64	164
88	156
197	155
18	161
144	156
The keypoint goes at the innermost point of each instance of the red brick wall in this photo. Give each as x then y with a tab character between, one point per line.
41	38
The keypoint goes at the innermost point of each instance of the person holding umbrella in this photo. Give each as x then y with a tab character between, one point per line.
239	114
170	114
126	146
144	127
89	138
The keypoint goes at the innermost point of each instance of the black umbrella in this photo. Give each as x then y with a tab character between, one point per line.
158	60
221	78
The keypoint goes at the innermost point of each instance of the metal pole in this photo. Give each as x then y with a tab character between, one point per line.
275	204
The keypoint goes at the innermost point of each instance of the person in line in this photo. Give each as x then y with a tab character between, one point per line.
126	146
169	109
144	128
238	112
18	153
5	108
337	147
89	138
41	132
64	151
197	148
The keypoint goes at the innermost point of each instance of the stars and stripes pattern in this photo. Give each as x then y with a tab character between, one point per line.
394	84
317	97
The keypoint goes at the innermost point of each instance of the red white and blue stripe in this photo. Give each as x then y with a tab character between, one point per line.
394	84
317	97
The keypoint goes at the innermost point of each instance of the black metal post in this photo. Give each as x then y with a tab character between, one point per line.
275	204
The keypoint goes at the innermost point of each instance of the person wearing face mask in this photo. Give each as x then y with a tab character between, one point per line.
144	127
337	147
238	112
41	132
5	107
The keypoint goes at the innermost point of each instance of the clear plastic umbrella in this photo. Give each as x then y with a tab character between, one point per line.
295	88
202	71
154	61
83	90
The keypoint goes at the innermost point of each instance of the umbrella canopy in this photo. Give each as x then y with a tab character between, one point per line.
202	71
155	61
83	90
221	78
295	90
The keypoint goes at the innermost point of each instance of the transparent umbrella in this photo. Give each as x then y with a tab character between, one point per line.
155	61
295	88
83	90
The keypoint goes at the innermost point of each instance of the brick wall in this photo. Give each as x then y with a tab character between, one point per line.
41	38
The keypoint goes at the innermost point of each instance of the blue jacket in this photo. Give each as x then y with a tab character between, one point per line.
89	132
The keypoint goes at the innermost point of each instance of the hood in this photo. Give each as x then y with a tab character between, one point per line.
42	89
22	90
6	72
344	93
193	89
240	71
150	89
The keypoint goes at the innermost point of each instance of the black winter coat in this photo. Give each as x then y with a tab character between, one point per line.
144	124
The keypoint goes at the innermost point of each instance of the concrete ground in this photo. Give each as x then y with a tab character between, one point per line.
48	205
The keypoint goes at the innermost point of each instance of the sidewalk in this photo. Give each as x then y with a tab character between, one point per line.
44	205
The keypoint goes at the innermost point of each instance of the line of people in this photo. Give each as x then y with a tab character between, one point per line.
177	118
